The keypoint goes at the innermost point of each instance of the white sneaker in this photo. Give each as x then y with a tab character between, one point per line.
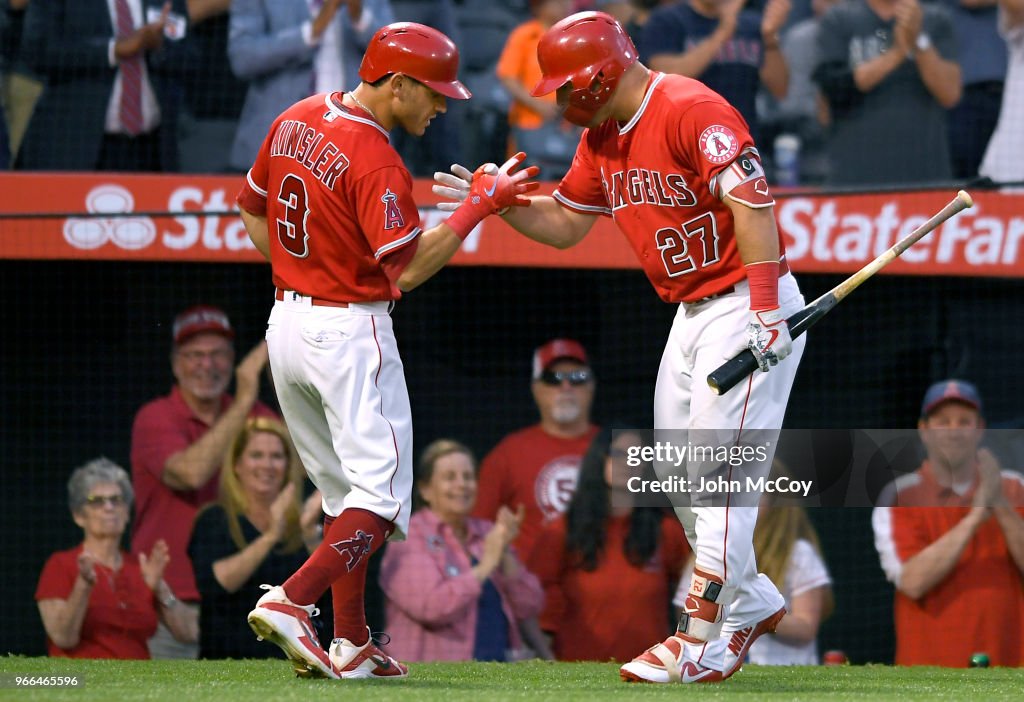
673	660
757	610
366	661
738	643
279	620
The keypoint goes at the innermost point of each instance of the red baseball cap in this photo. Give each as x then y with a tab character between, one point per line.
950	391
199	319
556	350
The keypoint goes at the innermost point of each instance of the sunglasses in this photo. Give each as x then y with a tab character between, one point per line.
100	500
576	377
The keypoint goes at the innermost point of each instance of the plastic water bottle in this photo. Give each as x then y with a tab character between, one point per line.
787	159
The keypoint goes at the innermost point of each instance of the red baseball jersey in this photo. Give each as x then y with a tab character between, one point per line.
979	605
337	198
658	176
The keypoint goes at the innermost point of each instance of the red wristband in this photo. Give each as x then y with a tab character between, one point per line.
763	278
466	217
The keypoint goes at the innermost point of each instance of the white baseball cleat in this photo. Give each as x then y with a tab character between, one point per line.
672	661
279	620
740	641
366	661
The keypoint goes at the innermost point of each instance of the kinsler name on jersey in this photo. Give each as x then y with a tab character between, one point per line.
649	187
310	148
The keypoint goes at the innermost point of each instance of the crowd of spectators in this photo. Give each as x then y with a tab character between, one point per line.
836	92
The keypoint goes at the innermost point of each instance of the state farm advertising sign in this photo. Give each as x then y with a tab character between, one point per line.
192	218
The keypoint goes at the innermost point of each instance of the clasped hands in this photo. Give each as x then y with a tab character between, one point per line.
492	186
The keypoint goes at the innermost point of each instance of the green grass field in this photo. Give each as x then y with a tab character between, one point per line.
273	681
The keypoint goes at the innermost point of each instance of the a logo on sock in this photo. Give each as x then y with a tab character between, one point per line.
354	548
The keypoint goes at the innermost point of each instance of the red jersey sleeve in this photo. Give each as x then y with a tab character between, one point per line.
710	136
581	188
253	195
387	212
58	577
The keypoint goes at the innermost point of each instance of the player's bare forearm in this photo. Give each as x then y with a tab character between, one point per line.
434	249
757	236
258	231
933	564
547	222
1012	525
940	77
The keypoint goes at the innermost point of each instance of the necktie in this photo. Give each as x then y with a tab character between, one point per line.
131	75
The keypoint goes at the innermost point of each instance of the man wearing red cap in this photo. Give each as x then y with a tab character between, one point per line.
538	466
329	203
178	446
950	537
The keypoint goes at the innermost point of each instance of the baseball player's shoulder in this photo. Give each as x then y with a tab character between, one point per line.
677	92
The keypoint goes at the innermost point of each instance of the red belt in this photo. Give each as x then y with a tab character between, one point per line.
783	270
315	301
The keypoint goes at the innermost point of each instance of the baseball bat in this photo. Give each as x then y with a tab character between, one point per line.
727	375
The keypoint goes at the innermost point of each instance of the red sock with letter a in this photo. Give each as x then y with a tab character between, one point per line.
339	562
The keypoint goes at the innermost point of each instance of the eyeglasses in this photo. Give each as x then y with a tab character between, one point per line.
580	376
100	500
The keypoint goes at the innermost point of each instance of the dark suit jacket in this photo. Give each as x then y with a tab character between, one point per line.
67	43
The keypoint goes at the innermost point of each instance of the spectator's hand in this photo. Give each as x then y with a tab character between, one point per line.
989	492
247	374
155	563
148	37
87	567
908	24
355	10
774	17
509	522
767	337
311	516
279	511
325	16
728	16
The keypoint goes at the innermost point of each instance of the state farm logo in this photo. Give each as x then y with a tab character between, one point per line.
130	233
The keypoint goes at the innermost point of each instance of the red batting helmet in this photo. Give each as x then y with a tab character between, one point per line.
418	51
591	51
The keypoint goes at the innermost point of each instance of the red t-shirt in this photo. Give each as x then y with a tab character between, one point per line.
337	198
617	610
162	428
656	177
532	468
979	606
121	615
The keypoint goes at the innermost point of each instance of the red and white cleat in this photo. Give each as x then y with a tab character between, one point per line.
279	620
742	639
668	662
366	661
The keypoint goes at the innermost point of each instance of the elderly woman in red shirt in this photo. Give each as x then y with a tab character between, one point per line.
455	589
96	600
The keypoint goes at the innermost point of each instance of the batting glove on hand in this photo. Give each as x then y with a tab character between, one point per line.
767	337
459	184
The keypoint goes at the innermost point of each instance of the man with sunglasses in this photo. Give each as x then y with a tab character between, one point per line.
537	466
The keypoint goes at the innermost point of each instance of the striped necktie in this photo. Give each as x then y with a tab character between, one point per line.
131	75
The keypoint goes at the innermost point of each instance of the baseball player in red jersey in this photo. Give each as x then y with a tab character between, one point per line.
329	203
674	165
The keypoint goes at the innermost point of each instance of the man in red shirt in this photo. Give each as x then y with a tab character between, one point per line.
538	466
951	539
675	166
178	446
329	203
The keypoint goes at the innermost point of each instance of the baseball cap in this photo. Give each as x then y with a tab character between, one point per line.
950	390
555	350
201	318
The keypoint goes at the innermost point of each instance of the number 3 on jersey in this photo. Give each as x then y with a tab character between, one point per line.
674	245
291	229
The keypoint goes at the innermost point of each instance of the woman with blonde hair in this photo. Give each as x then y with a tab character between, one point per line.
259	531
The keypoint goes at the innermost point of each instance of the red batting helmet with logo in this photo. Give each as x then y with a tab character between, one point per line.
418	51
589	50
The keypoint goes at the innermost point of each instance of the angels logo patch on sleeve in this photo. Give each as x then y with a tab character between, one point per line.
392	213
719	144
